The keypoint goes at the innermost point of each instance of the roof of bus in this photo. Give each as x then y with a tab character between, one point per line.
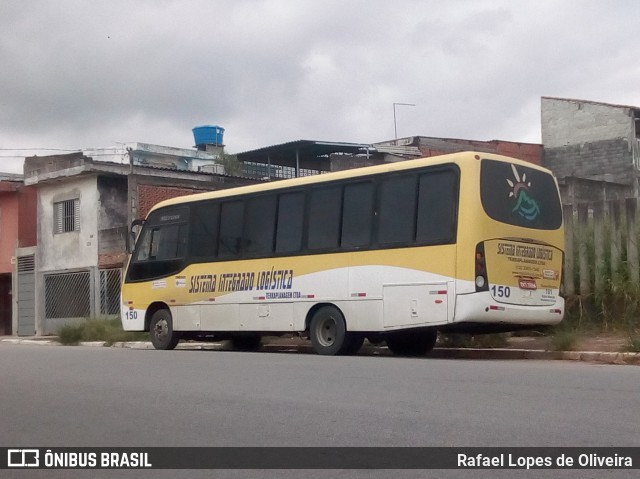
351	173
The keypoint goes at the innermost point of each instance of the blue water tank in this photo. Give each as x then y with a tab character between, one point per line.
208	135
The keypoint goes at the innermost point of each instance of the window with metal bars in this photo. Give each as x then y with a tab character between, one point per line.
66	216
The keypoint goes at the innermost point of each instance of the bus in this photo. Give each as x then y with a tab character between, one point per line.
464	242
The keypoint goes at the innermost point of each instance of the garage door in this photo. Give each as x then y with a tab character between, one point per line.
26	296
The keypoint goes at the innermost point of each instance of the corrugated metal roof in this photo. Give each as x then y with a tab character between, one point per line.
317	147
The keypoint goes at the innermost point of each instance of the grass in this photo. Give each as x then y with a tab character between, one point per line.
564	339
107	330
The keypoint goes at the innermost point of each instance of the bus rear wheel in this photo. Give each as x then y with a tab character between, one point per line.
411	343
161	330
329	335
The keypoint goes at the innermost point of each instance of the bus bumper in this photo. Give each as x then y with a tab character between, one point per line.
481	308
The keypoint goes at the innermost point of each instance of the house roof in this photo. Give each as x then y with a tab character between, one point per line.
56	167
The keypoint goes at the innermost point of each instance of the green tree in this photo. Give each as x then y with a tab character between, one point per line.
232	165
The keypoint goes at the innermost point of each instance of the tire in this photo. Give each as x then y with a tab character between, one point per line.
249	342
328	332
412	343
161	330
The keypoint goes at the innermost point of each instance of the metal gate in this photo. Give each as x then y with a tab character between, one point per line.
67	295
26	296
110	292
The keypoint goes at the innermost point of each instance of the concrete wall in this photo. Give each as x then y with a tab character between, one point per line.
570	122
112	220
589	140
607	160
75	249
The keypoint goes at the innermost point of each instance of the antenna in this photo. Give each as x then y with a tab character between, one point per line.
395	127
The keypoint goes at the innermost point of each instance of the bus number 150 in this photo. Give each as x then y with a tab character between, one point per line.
500	291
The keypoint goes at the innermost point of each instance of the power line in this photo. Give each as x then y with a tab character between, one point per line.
39	149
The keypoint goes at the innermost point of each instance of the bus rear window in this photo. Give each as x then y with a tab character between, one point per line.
520	196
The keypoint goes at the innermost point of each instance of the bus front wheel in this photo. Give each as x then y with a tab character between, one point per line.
412	342
329	335
161	330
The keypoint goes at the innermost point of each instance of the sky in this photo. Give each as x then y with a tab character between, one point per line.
80	74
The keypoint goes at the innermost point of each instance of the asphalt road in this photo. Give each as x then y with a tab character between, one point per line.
82	396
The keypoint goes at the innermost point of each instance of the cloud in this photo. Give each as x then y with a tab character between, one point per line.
80	74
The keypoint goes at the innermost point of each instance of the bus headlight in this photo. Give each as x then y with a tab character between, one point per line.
480	282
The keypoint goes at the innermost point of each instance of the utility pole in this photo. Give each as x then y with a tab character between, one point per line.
395	127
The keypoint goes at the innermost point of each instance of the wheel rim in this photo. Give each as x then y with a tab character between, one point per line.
161	330
326	331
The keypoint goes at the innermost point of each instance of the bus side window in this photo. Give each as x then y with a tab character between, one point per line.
357	215
437	207
324	218
204	230
397	210
290	222
260	225
230	240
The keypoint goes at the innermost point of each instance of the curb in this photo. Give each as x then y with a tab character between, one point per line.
437	353
43	342
509	354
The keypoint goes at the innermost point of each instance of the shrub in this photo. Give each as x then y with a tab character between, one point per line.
107	330
564	339
70	334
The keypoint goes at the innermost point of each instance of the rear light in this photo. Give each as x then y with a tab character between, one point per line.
482	284
561	290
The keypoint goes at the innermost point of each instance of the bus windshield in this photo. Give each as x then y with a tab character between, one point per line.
519	195
162	245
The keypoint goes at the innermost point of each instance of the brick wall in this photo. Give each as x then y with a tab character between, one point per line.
149	195
111	260
347	162
27	226
531	152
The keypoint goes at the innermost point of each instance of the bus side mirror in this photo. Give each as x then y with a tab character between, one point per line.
136	225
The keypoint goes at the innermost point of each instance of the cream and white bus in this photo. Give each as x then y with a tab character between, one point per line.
462	242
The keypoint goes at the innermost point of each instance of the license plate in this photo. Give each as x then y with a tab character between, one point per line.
527	283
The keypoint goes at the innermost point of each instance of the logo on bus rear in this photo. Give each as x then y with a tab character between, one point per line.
525	206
